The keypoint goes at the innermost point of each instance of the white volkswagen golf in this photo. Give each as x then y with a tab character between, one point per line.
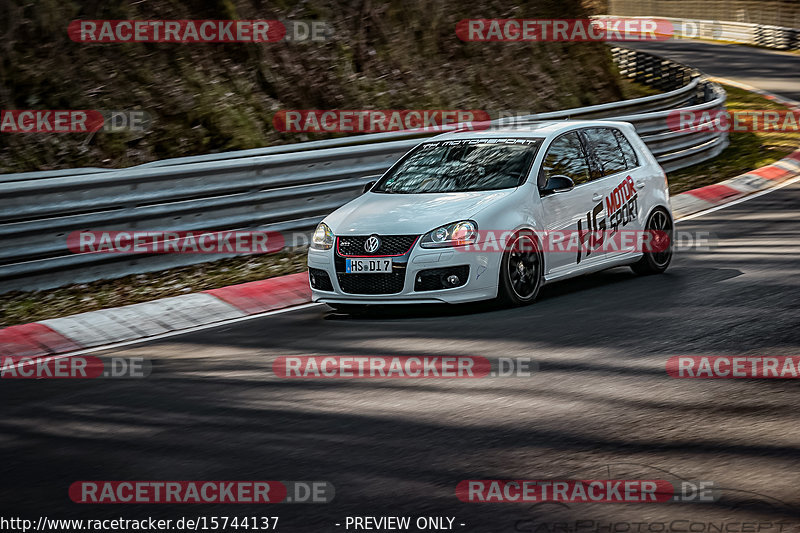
476	215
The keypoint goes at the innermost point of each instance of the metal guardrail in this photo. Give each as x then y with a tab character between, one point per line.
784	13
285	188
776	37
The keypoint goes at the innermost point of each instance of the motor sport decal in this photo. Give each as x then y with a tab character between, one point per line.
621	204
594	234
621	207
492	140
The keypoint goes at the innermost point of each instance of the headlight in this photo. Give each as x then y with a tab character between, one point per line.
456	234
323	237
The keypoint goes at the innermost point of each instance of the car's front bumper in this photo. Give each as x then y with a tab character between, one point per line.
481	283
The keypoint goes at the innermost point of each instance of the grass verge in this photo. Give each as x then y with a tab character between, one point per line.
747	150
20	307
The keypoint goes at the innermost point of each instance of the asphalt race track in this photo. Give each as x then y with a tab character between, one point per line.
769	70
600	406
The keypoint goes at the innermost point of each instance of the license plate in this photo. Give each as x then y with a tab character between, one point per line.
368	266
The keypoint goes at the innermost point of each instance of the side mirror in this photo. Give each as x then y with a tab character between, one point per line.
557	183
369	185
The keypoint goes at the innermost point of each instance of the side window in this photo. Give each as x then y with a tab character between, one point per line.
603	144
566	157
631	160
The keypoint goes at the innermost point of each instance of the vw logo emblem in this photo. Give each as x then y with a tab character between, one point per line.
372	244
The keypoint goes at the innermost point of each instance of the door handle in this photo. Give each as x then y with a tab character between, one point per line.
639	184
596	197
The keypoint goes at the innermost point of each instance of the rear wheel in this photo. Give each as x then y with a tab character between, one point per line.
520	271
659	227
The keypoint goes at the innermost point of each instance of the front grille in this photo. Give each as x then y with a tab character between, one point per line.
398	246
435	279
372	283
320	279
390	245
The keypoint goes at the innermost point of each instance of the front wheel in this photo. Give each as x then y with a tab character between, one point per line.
660	231
521	271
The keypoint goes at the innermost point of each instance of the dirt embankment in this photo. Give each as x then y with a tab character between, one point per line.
206	98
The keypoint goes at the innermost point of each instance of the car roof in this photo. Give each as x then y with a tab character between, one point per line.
529	130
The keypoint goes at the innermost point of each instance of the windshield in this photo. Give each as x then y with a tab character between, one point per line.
462	165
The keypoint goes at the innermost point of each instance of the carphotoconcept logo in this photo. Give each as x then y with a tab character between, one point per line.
553	515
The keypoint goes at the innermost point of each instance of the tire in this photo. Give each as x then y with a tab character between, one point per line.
656	262
521	271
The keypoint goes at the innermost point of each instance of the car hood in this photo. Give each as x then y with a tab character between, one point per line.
405	214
